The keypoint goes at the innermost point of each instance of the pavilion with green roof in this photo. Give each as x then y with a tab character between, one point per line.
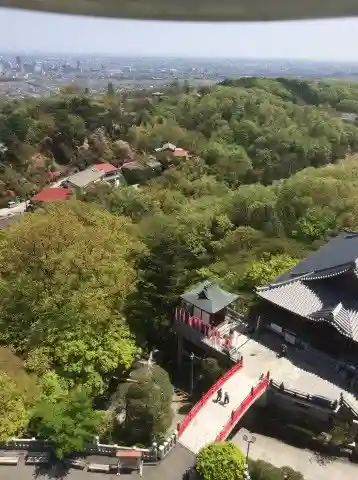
208	302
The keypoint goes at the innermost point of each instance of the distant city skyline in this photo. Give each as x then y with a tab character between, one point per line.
320	40
66	56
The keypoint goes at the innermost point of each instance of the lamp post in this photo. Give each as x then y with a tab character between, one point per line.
247	473
249	439
192	356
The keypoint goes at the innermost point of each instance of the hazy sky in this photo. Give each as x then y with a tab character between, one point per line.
22	31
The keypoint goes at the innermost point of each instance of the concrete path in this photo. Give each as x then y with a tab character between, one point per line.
305	461
11	211
171	468
301	370
211	419
20	208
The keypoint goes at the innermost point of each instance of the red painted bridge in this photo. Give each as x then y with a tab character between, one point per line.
209	421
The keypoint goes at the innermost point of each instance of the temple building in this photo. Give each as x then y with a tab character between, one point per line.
206	322
315	304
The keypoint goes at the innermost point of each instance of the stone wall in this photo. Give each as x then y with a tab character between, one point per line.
320	408
155	453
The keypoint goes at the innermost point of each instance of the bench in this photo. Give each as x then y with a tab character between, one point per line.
37	458
9	460
80	464
98	467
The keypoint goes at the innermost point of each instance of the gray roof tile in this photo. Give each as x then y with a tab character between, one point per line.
341	251
317	302
209	297
86	177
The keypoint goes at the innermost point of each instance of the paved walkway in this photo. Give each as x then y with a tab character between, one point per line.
211	419
305	461
300	370
171	468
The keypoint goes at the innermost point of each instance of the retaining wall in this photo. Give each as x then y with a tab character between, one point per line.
153	454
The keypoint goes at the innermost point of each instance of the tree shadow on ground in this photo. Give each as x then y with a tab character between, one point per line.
55	469
322	459
316	363
184	409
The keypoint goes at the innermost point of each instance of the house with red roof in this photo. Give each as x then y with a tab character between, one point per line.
101	172
180	153
106	168
46	195
111	174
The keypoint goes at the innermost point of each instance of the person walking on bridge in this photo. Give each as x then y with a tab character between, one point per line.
219	395
226	399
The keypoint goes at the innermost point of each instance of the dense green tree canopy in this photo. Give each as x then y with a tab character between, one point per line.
76	270
14	415
266	269
272	173
222	460
210	372
19	393
146	400
67	422
246	130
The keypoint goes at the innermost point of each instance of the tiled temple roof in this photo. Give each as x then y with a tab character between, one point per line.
314	290
313	301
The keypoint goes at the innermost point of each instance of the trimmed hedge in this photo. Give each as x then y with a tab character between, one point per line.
260	470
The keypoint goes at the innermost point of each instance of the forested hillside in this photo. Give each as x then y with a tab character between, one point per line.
89	285
246	130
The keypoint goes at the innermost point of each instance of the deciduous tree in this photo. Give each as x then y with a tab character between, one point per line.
13	411
263	271
68	422
76	266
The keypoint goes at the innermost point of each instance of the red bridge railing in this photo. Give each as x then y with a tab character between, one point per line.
254	394
205	398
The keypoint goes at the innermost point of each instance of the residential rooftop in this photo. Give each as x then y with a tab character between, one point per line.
106	167
133	166
166	146
57	194
86	177
180	152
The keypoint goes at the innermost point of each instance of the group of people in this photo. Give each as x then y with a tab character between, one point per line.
219	396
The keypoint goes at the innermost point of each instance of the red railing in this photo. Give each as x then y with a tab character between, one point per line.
204	399
255	393
212	333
